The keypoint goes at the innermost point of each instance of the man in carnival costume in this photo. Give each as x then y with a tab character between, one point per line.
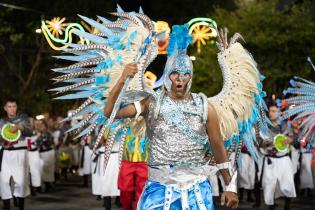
181	126
277	169
13	156
300	108
191	137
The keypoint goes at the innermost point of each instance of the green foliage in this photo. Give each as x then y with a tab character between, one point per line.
16	38
280	42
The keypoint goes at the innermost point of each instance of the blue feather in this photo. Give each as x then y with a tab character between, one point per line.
91	37
76	57
141	10
119	9
104	20
83	94
179	39
97	25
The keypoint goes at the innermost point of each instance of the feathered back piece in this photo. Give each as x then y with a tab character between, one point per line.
240	104
97	67
300	105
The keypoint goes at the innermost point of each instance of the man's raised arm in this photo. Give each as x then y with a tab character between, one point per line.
129	110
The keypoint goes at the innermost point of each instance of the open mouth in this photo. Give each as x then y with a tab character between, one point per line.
179	86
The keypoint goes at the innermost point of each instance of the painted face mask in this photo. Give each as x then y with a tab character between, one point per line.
178	60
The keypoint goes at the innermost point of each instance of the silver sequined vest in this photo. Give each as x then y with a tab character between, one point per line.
177	134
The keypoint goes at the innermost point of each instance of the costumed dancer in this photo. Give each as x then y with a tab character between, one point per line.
300	107
57	136
35	164
246	174
109	179
295	153
133	172
85	158
306	175
13	155
258	167
104	183
97	157
181	126
74	145
64	158
45	144
85	167
277	169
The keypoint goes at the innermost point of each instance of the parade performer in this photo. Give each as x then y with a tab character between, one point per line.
35	164
306	175
178	152
97	160
13	156
246	174
104	183
277	169
133	171
109	180
85	168
45	143
190	136
300	107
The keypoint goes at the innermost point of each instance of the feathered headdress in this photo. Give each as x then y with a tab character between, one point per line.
177	59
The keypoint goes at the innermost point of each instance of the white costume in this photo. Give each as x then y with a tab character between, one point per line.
246	172
295	154
278	179
110	178
56	136
35	162
14	162
306	176
47	154
85	167
75	154
97	171
278	170
105	182
15	165
48	158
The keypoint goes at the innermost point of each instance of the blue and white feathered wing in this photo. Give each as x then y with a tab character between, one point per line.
240	104
301	106
98	66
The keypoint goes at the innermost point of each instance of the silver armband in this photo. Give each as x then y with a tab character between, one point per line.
225	165
232	186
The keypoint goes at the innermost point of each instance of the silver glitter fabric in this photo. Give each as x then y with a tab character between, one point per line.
178	135
183	177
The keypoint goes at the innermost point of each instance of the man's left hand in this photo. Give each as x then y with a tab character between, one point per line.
230	199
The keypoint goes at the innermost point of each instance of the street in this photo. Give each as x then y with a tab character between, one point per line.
71	195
